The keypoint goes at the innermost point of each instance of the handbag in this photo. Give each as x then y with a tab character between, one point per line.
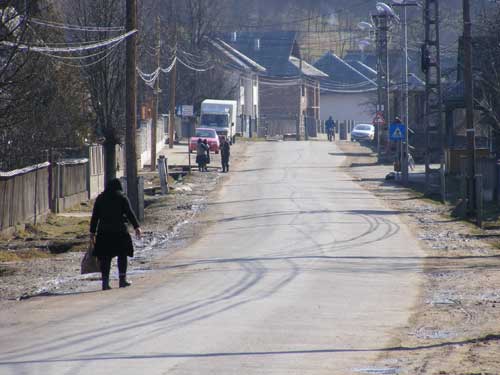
90	263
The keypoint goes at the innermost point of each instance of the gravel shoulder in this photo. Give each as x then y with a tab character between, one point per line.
44	260
455	328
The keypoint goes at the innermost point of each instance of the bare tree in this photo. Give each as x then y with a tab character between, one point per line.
103	75
42	101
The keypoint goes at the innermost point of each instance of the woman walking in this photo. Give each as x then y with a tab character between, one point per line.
207	156
109	217
201	155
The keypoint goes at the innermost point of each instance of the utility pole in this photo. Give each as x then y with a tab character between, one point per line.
469	102
405	106
131	106
173	88
156	96
383	80
405	110
299	115
433	113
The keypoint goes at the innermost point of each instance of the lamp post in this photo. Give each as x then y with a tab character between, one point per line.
384	14
404	4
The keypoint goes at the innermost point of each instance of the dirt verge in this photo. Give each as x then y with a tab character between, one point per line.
45	259
455	328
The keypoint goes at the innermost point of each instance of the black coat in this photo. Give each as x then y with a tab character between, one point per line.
111	212
225	150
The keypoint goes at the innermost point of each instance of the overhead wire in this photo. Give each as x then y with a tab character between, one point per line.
64	26
82	48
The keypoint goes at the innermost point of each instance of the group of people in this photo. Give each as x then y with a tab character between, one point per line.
203	154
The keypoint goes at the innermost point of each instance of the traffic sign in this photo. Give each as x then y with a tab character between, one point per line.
397	132
379	119
187	111
184	110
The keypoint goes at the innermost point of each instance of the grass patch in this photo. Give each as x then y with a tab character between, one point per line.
22	255
4	271
82	207
57	227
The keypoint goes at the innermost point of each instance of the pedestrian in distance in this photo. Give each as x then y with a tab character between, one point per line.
200	155
225	153
109	233
207	157
330	129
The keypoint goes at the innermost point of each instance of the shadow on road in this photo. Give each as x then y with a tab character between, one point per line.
484	339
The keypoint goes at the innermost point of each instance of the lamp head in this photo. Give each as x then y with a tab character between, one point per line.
365	26
385	10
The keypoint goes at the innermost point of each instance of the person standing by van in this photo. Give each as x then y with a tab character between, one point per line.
207	156
201	155
225	153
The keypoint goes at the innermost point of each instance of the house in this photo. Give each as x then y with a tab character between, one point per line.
366	63
347	94
242	73
288	87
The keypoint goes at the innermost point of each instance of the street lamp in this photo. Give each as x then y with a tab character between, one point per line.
365	26
382	19
385	10
404	88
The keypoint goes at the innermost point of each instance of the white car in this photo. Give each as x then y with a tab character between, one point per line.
363	132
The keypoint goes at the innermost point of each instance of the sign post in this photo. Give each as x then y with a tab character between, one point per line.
397	133
378	122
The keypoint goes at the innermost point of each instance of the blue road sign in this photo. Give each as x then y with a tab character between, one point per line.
397	132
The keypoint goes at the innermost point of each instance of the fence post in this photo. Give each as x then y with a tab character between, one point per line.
163	174
479	199
498	182
140	200
442	176
36	195
57	188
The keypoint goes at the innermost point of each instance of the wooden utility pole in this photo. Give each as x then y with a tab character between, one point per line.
299	115
469	101
173	88
383	79
131	106
156	96
433	112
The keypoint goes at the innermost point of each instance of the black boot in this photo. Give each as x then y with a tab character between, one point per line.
105	283
123	281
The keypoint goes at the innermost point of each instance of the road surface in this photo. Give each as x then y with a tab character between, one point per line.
299	271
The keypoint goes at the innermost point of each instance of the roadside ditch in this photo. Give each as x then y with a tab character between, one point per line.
455	327
44	259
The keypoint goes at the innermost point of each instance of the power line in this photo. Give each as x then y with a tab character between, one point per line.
63	26
90	47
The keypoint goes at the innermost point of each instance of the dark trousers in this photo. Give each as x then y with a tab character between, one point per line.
225	163
106	265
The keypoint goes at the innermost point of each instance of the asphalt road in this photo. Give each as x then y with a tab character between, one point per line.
299	271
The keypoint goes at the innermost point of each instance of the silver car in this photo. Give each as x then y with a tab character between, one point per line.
363	132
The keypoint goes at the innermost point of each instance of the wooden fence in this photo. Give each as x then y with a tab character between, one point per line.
24	196
69	183
95	182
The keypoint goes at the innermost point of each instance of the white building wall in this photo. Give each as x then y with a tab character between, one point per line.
347	107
